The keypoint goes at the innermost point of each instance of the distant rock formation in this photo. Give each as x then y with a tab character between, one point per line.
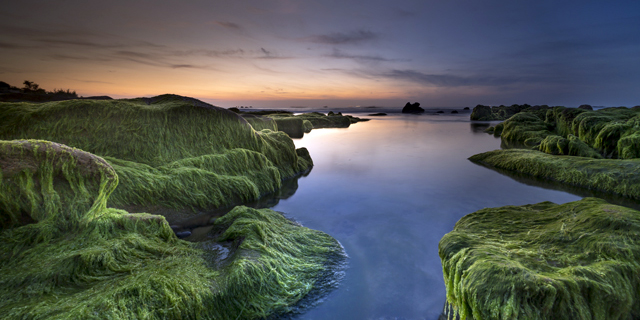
412	108
586	107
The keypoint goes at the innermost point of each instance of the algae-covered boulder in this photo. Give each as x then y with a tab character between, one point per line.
65	255
487	113
46	181
577	260
620	177
610	132
169	151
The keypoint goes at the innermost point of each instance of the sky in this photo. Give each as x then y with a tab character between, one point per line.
281	53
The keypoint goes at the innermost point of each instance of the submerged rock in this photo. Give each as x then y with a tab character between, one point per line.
412	108
544	261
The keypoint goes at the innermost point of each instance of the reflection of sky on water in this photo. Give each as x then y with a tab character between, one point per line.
388	190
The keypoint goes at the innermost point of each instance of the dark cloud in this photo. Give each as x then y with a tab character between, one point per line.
338	54
80	43
184	66
229	25
354	37
5	45
450	80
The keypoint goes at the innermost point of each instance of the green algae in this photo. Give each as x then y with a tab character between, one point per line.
169	150
65	255
487	113
544	261
620	177
611	132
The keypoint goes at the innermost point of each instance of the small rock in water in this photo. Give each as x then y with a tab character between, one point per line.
183	234
454	111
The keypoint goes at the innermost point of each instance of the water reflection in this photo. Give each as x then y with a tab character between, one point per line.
388	190
553	185
479	127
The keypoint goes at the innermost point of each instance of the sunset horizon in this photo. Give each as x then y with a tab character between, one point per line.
287	53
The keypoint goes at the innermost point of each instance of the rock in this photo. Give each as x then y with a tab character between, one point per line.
466	108
454	111
377	114
183	234
412	108
440	111
586	107
544	261
482	113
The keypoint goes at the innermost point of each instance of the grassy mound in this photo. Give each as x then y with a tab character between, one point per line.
621	177
610	132
65	255
545	261
487	113
168	150
297	125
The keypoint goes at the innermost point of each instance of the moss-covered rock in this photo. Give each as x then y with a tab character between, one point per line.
620	177
545	261
487	113
65	255
168	150
611	132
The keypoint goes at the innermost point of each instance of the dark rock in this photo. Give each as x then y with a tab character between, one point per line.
454	111
481	112
377	114
440	111
183	234
412	108
234	109
466	108
586	107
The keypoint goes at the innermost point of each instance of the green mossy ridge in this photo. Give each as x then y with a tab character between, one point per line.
611	132
545	261
572	146
77	259
621	177
297	125
488	113
165	137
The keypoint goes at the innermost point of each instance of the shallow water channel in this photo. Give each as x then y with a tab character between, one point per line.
388	190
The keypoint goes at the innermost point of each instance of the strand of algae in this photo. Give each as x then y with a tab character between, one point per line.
161	145
544	261
65	255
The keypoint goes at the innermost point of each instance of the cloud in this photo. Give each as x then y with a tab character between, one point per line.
354	37
229	25
338	54
447	80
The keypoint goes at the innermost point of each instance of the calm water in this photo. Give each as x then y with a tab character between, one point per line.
388	190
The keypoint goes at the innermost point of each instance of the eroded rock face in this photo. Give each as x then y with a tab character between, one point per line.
544	261
412	108
46	180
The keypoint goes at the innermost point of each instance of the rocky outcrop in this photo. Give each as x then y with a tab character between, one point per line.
544	261
412	108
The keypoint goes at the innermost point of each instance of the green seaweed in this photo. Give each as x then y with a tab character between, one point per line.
611	132
65	255
169	150
621	177
544	261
